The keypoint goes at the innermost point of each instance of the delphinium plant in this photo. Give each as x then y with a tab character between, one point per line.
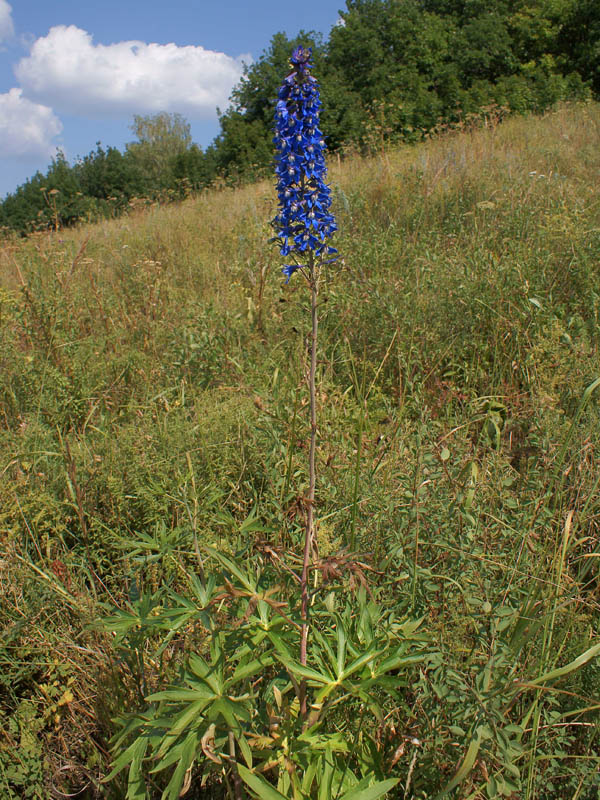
261	708
304	225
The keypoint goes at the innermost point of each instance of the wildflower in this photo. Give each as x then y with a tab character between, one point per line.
304	222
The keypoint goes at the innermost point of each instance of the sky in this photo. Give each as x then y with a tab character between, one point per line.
74	72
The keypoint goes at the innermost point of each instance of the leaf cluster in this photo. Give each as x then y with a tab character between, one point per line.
234	710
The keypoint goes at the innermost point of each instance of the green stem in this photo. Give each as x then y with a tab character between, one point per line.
288	471
309	536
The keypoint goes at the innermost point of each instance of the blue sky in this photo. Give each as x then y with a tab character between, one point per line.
74	72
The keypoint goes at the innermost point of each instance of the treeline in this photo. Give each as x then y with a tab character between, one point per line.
391	70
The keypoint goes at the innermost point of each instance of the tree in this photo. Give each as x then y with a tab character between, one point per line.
160	139
109	176
399	60
195	169
244	145
579	41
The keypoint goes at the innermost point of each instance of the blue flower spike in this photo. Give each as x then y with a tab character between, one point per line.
304	222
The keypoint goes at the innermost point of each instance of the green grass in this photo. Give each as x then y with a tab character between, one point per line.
153	389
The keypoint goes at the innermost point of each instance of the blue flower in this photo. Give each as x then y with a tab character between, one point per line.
289	270
304	222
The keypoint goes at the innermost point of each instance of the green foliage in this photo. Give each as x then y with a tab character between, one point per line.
194	169
235	705
111	178
161	139
48	201
579	40
21	754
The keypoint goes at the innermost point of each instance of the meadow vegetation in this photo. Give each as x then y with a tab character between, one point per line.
153	403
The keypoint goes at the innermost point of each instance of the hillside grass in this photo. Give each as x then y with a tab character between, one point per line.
153	391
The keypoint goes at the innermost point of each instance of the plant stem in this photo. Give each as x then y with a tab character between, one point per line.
310	500
237	781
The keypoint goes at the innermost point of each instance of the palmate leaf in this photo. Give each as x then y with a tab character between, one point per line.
397	661
187	756
188	716
121	622
131	724
231	711
244	671
203	670
311	675
321	644
177	751
134	754
361	661
246	580
343	682
281	648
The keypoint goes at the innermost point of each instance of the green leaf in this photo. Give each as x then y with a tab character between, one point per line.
280	646
251	524
182	695
571	667
136	785
464	769
209	675
372	792
133	754
321	644
187	716
397	661
187	757
247	581
198	665
360	662
326	777
247	670
245	749
341	647
230	711
309	776
259	785
306	672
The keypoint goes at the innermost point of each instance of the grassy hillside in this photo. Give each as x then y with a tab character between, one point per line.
152	399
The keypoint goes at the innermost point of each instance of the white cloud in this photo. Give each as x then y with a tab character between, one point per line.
6	23
26	129
66	69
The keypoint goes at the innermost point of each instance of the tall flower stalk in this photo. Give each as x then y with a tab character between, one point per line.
304	225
